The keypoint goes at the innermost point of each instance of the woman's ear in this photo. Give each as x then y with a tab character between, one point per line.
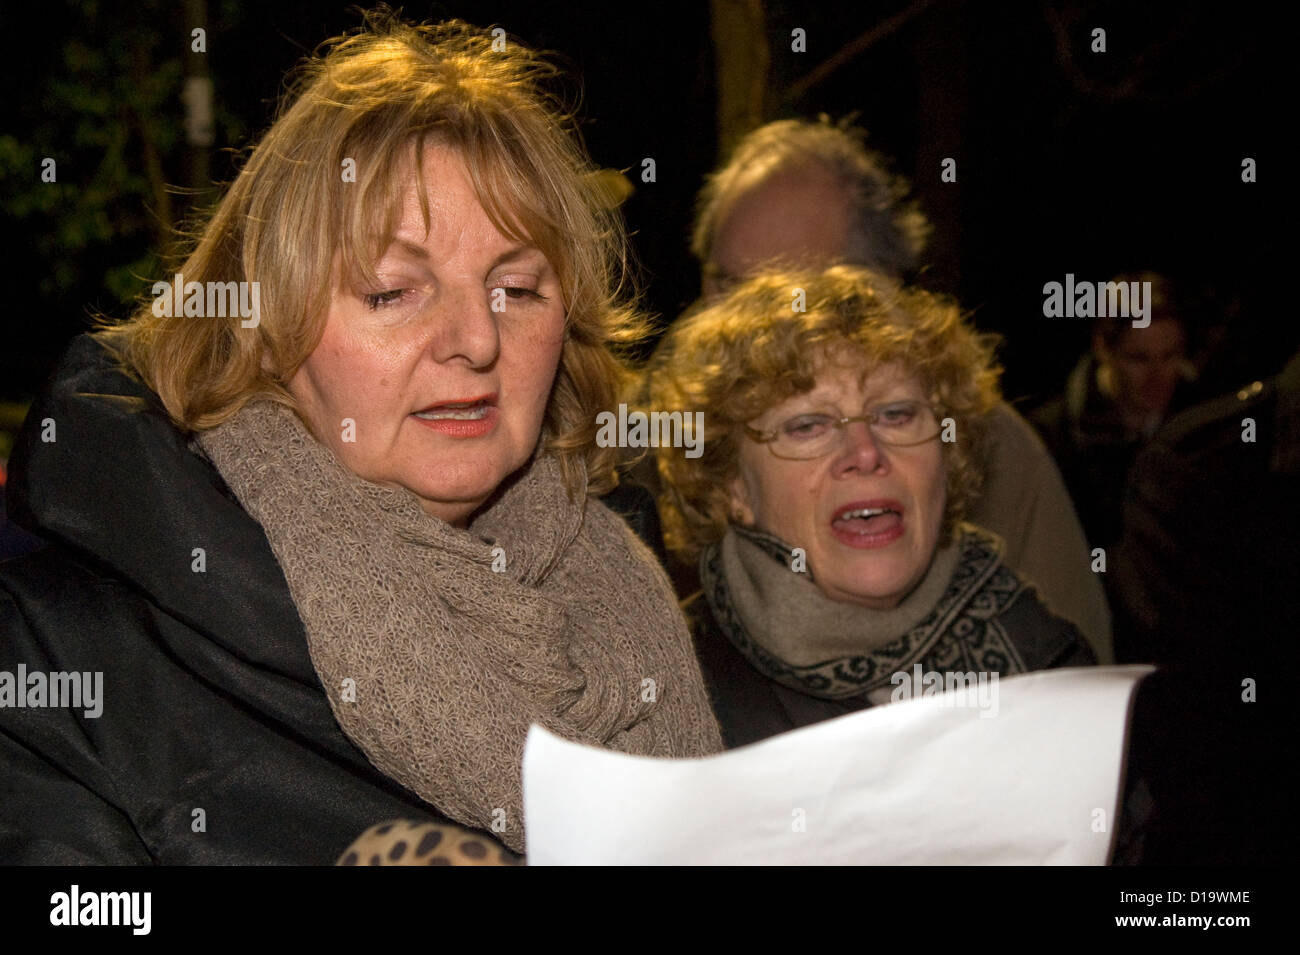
738	510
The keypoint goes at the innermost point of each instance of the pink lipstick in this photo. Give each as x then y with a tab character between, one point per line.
461	417
868	524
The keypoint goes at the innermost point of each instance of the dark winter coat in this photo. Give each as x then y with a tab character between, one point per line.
215	743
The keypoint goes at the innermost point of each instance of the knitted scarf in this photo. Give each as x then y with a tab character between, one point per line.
438	647
787	629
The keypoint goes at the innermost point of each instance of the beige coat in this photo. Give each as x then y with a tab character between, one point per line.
1025	502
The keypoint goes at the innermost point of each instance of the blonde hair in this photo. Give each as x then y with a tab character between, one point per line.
748	352
377	97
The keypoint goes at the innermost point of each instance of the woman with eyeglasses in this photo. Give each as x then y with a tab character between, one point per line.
843	416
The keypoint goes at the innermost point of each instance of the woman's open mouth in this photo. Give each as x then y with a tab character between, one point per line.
867	524
464	418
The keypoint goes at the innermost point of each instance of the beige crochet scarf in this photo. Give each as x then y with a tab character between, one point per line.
435	664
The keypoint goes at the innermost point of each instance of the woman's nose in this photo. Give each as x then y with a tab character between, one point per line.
859	448
465	327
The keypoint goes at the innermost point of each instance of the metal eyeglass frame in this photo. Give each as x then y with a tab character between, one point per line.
839	424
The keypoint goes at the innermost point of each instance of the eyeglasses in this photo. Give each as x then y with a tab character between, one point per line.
899	424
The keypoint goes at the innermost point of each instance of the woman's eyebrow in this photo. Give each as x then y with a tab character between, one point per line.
407	247
516	253
875	398
897	393
511	255
812	402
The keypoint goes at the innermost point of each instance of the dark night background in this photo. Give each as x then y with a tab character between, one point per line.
1068	161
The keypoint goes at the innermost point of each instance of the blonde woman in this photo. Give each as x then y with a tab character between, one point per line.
330	546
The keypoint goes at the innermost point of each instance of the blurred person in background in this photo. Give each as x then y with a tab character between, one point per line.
1206	584
799	193
1115	399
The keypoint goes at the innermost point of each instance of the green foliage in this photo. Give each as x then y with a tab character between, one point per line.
110	116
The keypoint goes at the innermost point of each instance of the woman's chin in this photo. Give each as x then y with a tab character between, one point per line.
454	513
462	483
872	580
454	503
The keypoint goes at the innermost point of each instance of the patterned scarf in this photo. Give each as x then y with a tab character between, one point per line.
787	629
435	657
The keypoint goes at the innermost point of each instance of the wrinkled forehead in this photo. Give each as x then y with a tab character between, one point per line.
846	379
853	373
395	199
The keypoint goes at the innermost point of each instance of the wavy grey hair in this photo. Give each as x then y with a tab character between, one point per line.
890	231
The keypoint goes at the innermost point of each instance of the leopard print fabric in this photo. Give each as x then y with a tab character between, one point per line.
403	842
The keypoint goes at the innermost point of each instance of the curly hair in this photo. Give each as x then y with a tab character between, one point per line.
374	99
743	354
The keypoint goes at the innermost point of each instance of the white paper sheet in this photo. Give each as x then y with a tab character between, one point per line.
1033	780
